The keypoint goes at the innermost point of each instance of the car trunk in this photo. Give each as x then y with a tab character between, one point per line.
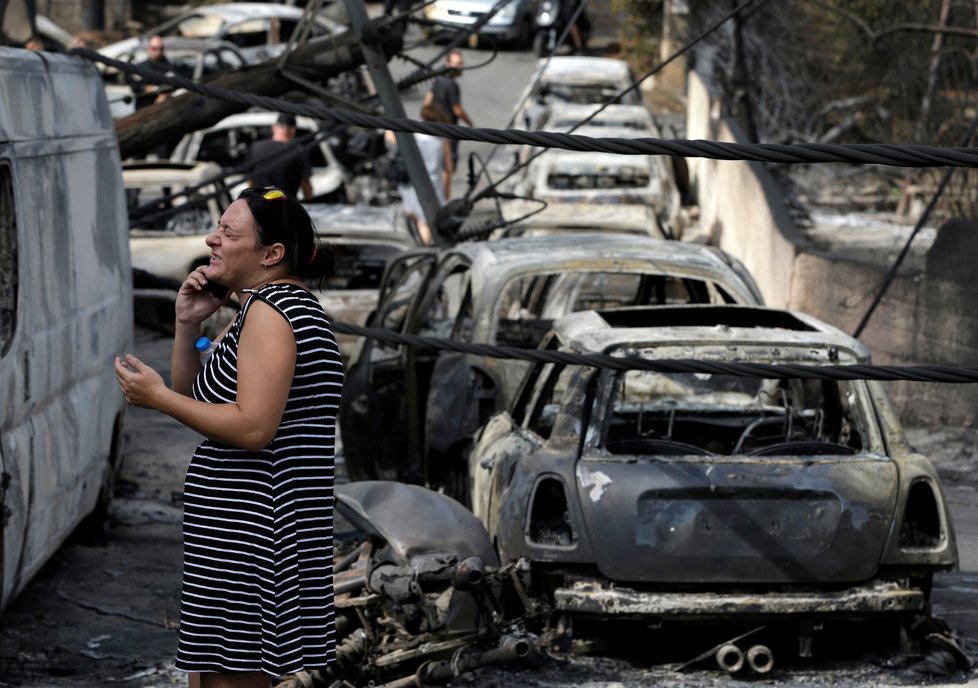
736	520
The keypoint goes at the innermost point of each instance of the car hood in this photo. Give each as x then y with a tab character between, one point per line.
716	520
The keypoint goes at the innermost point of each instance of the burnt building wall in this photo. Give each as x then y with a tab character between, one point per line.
926	317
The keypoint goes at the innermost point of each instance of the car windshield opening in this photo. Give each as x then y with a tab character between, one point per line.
682	414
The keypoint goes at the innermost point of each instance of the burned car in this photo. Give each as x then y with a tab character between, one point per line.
524	217
572	79
365	239
172	207
408	413
562	176
693	496
227	143
420	596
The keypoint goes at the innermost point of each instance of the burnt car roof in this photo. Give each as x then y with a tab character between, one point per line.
341	223
500	258
637	218
706	326
583	70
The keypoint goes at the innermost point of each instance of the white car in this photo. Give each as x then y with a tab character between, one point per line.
227	142
167	225
525	218
192	58
561	116
259	29
562	176
365	239
573	79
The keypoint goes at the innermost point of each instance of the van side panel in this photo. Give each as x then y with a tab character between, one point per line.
74	307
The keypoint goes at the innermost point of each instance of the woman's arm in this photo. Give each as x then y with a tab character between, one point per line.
194	305
266	364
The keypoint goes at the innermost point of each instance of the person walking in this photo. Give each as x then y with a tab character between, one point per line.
274	166
437	156
257	596
446	93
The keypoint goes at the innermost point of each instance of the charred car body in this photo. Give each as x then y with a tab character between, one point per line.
678	497
420	595
408	413
365	239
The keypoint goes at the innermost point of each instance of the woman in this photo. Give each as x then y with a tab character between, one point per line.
436	153
257	585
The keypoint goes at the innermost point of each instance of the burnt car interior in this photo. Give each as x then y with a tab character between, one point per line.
229	147
699	413
696	414
528	305
605	177
360	267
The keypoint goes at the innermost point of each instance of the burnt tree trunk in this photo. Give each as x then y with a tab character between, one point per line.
317	61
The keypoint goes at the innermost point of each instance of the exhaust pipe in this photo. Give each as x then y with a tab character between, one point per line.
730	658
760	659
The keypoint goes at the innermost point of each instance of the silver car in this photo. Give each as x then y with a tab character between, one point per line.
513	23
259	29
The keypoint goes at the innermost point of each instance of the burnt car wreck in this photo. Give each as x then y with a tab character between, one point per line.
731	501
757	513
420	594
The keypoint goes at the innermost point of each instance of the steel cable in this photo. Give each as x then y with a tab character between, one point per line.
871	153
925	373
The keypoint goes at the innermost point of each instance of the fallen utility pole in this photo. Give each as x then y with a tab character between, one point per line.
390	98
318	61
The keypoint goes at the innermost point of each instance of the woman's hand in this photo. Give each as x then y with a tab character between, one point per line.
140	384
194	303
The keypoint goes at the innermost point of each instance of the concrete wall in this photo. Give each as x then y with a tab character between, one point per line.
925	318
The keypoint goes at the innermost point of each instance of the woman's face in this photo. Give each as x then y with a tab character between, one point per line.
236	255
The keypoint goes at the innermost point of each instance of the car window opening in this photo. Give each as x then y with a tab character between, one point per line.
685	414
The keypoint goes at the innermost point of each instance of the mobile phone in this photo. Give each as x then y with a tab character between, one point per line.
218	291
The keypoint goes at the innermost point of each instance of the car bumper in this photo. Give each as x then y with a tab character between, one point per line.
595	599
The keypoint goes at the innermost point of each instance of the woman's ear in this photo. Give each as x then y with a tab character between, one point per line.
274	254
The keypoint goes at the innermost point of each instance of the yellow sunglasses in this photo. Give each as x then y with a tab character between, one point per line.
272	193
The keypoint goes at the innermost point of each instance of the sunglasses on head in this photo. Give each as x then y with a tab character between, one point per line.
272	193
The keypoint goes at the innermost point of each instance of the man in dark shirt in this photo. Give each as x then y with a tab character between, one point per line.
145	93
445	93
287	171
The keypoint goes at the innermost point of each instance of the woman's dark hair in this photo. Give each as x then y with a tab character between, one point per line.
281	219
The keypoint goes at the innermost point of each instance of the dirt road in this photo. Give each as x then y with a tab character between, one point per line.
103	613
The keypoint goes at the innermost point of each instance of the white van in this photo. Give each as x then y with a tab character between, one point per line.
65	305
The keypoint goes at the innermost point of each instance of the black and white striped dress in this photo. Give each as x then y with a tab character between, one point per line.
258	526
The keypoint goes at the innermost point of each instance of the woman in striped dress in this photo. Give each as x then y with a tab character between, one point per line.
258	500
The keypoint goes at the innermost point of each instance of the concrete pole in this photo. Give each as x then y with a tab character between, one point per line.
390	98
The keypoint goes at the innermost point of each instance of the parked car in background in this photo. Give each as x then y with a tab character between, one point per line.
525	218
172	207
227	143
559	176
572	79
191	58
408	413
513	23
366	239
742	500
562	116
259	29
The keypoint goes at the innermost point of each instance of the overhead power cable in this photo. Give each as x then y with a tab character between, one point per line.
628	89
892	272
928	373
872	153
